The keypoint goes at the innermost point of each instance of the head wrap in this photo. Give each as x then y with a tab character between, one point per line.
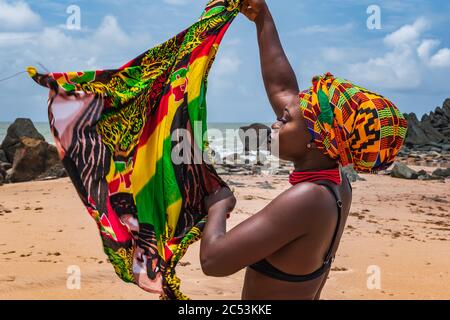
351	124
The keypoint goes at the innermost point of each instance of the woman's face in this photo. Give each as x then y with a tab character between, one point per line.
290	135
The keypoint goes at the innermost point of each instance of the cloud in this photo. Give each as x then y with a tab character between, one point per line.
228	64
407	61
407	34
440	59
17	15
107	43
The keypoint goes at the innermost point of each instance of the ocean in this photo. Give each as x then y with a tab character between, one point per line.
219	134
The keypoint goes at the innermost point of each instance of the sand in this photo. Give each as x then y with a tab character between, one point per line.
400	228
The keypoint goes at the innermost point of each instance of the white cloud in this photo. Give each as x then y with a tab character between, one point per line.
441	58
407	34
17	15
8	39
406	62
425	48
62	50
228	64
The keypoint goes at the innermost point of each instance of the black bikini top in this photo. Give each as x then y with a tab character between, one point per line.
269	270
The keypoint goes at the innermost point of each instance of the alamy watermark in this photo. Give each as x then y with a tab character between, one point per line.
74	277
374	19
374	278
188	146
73	21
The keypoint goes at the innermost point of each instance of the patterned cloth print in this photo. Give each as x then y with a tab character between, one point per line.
351	124
114	132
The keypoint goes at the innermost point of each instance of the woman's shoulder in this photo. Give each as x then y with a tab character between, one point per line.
306	197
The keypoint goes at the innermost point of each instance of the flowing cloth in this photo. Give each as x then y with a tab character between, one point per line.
115	131
351	124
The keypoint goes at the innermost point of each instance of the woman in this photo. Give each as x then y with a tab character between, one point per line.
288	247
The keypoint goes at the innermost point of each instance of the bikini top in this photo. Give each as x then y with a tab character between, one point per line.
269	270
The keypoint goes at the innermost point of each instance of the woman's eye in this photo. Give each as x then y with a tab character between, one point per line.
283	120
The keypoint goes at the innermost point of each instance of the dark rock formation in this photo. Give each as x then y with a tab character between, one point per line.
21	128
33	158
258	130
3	156
401	171
432	132
351	174
27	155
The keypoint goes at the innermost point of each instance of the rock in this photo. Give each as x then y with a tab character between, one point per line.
423	175
433	129
214	156
351	174
444	173
233	159
415	134
257	131
446	147
401	171
5	165
21	128
256	170
281	172
221	171
446	108
3	156
32	159
54	172
265	185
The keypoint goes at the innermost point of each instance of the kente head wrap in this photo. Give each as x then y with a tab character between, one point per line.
351	124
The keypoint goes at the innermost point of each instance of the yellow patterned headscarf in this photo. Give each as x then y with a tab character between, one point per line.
351	124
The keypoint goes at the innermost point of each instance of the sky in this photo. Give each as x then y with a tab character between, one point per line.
405	58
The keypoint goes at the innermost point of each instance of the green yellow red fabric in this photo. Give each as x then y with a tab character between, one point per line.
351	124
114	132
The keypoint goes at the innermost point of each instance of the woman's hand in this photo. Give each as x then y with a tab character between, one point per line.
253	8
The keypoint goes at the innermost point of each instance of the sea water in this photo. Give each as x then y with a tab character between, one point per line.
223	137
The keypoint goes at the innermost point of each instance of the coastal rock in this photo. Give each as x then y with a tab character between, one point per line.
444	173
256	130
232	159
21	128
351	174
33	158
432	132
5	166
402	171
3	156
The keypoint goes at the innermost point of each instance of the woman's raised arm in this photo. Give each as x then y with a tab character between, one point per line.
279	77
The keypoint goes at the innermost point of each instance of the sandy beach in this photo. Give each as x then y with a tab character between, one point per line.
400	226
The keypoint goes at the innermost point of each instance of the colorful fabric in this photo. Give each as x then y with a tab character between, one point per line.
115	131
351	124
